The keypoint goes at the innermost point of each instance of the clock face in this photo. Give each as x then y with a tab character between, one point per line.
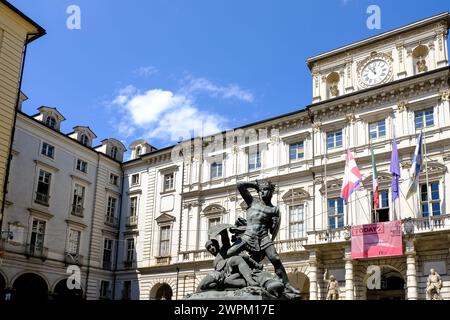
375	72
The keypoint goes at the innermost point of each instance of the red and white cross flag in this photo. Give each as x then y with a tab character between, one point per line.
352	177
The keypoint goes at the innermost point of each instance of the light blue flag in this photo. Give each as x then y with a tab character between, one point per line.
415	168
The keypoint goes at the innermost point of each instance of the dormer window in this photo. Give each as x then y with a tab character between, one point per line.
114	152
50	122
138	151
84	140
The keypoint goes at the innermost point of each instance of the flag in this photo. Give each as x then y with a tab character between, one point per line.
415	167
395	170
352	177
374	182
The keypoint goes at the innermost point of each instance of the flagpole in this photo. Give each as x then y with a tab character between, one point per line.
326	187
430	213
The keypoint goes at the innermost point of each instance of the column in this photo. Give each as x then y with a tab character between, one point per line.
349	291
411	271
313	276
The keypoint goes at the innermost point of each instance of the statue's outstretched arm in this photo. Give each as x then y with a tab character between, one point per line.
243	190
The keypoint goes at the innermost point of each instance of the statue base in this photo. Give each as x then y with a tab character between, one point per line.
247	293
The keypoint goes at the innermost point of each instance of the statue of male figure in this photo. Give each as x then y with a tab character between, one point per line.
262	218
434	285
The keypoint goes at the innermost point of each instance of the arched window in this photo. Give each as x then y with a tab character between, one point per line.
84	139
114	152
50	122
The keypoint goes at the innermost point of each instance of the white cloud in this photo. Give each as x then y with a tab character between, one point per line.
231	91
146	71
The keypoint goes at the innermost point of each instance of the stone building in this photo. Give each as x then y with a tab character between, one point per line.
363	93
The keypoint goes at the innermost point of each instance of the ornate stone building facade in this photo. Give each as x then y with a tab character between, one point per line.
363	94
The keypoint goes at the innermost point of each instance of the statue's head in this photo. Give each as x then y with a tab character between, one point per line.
432	271
266	189
212	246
332	278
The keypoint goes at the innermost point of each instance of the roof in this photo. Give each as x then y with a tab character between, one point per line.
85	127
433	19
52	108
40	31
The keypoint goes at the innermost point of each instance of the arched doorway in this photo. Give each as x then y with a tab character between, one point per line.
392	286
2	287
62	292
161	291
301	282
30	287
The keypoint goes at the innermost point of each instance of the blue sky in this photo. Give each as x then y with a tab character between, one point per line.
160	69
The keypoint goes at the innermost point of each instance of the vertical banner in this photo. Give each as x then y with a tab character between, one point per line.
377	240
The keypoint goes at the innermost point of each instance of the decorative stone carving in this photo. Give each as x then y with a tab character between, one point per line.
445	95
434	286
421	64
334	90
316	126
402	105
351	118
405	164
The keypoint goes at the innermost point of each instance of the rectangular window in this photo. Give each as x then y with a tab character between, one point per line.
430	199
335	213
213	221
37	237
135	179
105	291
107	254
126	290
382	212
78	200
424	118
334	139
164	241
113	179
43	188
82	165
296	219
168	182
74	242
111	210
216	170
254	160
133	206
296	151
130	250
377	129
48	150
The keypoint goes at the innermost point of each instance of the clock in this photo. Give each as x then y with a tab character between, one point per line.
375	72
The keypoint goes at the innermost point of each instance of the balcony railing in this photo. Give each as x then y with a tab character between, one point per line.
163	260
329	235
73	258
290	245
32	250
433	223
196	255
111	221
77	210
42	198
132	221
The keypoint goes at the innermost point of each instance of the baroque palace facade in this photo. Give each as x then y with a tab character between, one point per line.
137	229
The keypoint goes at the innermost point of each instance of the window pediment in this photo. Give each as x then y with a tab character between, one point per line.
293	138
214	209
165	218
333	186
40	214
296	194
376	115
384	180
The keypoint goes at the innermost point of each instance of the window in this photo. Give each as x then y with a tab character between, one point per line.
216	170
138	151
74	242
296	151
130	250
213	221
133	206
430	199
50	122
164	241
82	166
107	254
111	210
424	118
104	290
126	290
382	213
254	160
168	181
37	237
377	129
296	218
48	150
135	179
78	200
114	152
43	188
114	179
335	213
84	139
334	139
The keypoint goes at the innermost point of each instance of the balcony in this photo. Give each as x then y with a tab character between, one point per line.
329	235
163	261
42	198
431	224
290	245
107	265
111	221
73	258
196	255
77	210
132	221
32	250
